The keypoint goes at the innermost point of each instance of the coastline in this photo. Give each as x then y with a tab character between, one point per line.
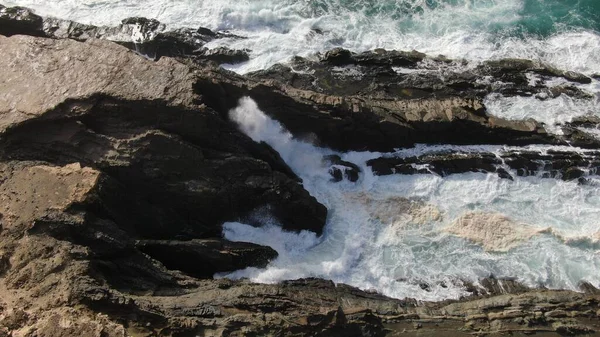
116	167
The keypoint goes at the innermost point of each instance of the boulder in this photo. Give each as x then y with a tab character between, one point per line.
20	20
225	55
203	258
340	169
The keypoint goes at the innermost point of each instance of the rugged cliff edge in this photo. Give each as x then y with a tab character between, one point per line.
117	171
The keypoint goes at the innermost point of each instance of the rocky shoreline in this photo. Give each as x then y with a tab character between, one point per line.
117	171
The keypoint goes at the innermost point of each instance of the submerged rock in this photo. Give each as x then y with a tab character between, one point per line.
397	212
340	169
493	231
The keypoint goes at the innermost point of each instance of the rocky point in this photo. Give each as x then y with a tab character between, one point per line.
119	165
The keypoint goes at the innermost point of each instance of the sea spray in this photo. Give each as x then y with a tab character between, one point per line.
366	244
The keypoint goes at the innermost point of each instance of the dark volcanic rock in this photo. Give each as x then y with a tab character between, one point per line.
146	36
20	20
553	164
338	56
350	103
225	55
204	258
340	169
372	122
382	57
377	57
363	102
440	164
505	67
587	121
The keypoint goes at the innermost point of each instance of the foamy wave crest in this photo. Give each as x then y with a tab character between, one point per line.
277	30
552	112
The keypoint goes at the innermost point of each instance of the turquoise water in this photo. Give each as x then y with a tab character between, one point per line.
547	17
565	34
543	17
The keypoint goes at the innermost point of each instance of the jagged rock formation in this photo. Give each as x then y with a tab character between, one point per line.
146	36
361	102
141	123
340	169
563	164
116	173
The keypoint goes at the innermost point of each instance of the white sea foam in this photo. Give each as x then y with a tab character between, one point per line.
389	233
552	112
277	30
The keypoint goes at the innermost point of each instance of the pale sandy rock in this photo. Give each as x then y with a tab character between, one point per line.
38	75
593	239
32	192
399	211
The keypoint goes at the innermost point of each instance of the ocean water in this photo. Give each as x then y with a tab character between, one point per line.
392	234
562	33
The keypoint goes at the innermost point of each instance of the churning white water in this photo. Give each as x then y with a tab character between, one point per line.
552	112
277	30
394	232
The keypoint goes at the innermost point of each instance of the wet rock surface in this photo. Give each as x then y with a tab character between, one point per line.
359	102
204	258
116	173
19	20
147	37
551	164
340	169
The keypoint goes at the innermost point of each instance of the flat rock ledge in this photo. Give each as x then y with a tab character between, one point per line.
116	173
